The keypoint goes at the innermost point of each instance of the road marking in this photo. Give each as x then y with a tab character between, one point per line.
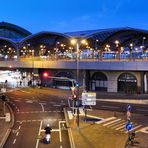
17	133
42	106
134	128
60	146
121	127
111	122
29	101
14	141
109	106
105	120
19	127
37	143
56	105
120	123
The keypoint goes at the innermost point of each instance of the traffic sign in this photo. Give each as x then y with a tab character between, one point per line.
129	108
128	126
89	98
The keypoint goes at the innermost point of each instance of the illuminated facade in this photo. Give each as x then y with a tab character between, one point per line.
112	59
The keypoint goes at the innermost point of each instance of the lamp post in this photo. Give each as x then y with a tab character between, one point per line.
117	48
131	49
77	43
143	47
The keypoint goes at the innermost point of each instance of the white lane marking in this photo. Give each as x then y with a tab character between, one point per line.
144	130
109	106
60	146
143	110
119	125
37	142
42	106
19	127
60	135
105	120
17	133
111	122
53	130
116	124
134	128
29	101
56	105
14	141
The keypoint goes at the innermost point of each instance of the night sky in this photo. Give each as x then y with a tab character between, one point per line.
76	15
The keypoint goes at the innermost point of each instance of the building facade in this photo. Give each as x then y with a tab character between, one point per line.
112	60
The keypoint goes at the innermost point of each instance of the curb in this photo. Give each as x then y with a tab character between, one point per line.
9	129
72	144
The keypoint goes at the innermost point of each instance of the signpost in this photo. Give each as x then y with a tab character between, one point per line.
88	98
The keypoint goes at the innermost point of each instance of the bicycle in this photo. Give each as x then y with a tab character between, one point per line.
130	141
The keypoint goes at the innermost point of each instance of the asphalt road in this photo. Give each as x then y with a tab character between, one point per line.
33	109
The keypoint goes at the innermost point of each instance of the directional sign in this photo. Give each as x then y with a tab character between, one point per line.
89	98
128	126
129	108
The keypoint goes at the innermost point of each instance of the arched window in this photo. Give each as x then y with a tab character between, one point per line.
127	83
99	82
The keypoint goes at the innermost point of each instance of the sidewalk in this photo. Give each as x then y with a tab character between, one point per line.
96	135
5	127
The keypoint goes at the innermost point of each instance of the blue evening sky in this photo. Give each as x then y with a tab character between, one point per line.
74	15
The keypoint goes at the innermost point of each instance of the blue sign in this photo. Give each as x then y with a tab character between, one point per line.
128	126
129	108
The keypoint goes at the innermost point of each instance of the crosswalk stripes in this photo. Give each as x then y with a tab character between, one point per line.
118	124
136	127
111	122
114	124
105	120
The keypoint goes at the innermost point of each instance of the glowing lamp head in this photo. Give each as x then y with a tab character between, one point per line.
45	74
10	66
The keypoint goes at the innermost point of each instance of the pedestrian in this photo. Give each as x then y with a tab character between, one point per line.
20	83
47	133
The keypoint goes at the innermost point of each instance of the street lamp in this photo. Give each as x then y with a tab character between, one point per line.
77	43
117	48
131	49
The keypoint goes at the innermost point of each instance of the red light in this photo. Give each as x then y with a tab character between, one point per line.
45	74
10	66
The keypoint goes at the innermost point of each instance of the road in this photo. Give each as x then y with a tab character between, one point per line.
33	109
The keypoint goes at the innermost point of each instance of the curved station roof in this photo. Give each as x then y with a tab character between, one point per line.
14	34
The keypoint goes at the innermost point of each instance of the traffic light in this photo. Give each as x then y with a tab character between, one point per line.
74	93
45	74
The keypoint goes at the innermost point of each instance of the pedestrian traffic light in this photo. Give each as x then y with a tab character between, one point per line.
45	74
74	93
10	66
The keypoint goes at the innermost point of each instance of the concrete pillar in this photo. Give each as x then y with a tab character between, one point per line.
112	82
142	82
145	83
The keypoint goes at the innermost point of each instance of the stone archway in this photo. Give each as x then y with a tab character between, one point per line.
99	82
127	83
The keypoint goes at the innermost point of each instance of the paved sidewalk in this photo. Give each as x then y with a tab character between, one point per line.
5	127
104	133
